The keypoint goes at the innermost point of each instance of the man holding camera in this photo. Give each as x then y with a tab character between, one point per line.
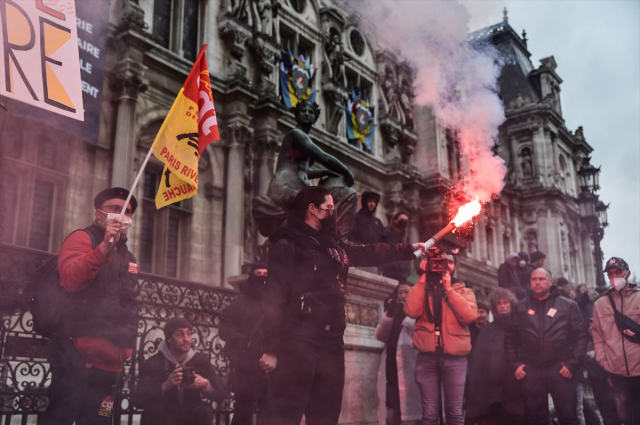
443	308
173	381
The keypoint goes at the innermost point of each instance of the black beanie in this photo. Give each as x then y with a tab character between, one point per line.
256	266
174	324
114	193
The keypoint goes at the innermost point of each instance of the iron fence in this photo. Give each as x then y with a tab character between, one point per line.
24	368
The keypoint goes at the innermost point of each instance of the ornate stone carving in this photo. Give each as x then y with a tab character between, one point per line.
336	97
266	54
519	102
132	17
235	134
128	86
236	37
335	56
127	80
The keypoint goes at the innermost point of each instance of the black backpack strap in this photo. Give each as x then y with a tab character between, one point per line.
92	236
627	326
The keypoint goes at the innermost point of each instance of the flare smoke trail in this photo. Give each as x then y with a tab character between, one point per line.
457	81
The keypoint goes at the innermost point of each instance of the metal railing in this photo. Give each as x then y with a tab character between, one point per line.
24	367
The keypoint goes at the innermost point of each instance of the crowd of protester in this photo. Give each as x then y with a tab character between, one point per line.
449	356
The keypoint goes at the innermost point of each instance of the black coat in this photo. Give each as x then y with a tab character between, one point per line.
490	381
524	274
367	228
243	349
508	277
303	261
541	338
167	409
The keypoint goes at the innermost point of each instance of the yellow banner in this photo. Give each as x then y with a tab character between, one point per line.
189	127
172	189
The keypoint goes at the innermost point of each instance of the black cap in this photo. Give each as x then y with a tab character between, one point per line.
114	193
615	262
174	324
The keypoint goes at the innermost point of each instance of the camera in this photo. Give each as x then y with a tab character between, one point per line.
438	265
188	375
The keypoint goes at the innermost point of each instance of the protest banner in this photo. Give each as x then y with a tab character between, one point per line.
93	30
39	63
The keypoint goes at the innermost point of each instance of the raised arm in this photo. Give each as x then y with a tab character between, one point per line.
303	143
371	255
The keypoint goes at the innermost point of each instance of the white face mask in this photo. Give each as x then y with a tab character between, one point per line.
126	222
522	263
618	283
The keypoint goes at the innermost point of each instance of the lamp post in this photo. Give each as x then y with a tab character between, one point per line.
594	214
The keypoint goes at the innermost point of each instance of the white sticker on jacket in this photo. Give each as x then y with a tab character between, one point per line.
552	312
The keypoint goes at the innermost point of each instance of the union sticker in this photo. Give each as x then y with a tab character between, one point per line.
531	312
552	312
133	268
106	406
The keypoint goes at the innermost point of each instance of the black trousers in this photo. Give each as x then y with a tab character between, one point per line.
78	394
308	379
626	396
540	382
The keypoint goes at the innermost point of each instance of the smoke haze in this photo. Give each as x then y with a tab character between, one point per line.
458	82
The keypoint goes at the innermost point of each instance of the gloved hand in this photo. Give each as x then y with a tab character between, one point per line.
392	305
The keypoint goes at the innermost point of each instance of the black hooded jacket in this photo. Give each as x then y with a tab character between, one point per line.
543	337
244	347
367	228
309	263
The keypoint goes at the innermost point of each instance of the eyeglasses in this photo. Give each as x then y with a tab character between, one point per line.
116	209
329	211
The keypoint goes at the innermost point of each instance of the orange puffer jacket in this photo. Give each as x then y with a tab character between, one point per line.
459	310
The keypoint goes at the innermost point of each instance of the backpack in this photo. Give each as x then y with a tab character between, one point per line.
49	298
629	328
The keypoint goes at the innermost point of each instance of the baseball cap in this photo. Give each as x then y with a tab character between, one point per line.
616	262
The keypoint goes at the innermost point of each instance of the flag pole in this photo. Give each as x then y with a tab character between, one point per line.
135	183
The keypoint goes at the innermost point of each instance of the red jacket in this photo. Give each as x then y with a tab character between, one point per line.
78	264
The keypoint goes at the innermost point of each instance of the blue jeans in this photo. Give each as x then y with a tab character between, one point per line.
538	384
452	375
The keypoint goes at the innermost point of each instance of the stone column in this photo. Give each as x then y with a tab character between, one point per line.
539	153
235	137
127	82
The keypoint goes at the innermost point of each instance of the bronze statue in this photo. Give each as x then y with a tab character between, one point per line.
297	154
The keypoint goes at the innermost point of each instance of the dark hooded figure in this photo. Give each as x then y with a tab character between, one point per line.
367	228
242	331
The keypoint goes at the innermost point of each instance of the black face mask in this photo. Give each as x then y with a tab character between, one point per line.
402	224
257	280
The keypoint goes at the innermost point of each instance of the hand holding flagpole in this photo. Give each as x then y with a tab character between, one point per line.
135	183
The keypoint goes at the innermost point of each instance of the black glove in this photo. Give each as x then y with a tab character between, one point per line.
392	305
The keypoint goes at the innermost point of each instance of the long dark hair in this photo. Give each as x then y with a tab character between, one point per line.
297	205
395	229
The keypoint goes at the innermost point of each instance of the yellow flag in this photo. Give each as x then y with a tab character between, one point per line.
189	128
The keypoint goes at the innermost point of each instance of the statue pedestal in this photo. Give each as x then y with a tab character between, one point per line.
366	293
